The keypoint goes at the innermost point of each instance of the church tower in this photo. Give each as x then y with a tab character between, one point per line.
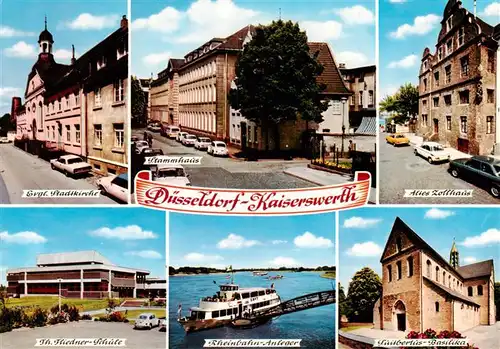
45	41
454	257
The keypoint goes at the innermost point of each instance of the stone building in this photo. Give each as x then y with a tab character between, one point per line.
421	290
193	93
458	83
78	108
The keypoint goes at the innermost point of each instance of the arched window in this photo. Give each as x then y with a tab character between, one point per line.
389	272
480	290
410	266
437	306
400	271
437	274
449	281
444	278
469	291
399	243
429	266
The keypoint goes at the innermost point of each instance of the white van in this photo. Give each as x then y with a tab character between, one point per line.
172	131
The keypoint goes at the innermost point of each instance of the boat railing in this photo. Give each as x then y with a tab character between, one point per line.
218	299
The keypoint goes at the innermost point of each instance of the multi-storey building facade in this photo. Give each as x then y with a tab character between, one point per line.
457	104
193	93
78	108
421	290
83	274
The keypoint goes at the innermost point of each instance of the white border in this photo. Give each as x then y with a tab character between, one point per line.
337	283
167	276
129	99
377	101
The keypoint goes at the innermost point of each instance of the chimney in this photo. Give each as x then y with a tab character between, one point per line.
341	65
73	59
124	22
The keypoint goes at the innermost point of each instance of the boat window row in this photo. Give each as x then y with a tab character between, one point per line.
224	312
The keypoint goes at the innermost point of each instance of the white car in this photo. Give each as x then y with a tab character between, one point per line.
146	320
432	152
202	143
116	186
4	140
171	174
180	136
172	132
140	145
163	324
217	148
154	127
189	140
70	165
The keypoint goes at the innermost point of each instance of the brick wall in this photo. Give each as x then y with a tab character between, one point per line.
483	300
437	319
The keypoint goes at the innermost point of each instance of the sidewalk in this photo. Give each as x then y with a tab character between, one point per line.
454	153
323	178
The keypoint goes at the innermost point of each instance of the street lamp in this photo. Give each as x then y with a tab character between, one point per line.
344	100
59	280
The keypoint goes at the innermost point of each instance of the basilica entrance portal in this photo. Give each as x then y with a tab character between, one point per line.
400	316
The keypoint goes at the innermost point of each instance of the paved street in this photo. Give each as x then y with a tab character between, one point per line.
20	170
25	338
217	172
400	169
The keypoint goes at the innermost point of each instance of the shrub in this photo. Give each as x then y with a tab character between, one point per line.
103	318
38	318
112	304
16	317
125	320
86	317
54	309
116	317
59	318
73	313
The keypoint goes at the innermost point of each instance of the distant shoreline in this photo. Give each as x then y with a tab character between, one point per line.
324	275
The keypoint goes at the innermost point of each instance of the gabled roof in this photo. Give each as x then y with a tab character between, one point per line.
235	41
48	70
176	63
330	76
49	259
452	293
479	269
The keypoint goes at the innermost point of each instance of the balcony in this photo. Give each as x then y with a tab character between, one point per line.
121	282
15	277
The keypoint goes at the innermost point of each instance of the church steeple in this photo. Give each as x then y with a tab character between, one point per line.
45	41
454	256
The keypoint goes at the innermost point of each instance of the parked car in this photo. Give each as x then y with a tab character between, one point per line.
171	174
146	320
4	140
163	129
172	132
154	127
397	139
202	143
115	186
189	140
70	165
432	152
217	148
163	324
140	146
484	171
180	135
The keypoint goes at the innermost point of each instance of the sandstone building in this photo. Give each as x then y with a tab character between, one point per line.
421	290
193	93
80	108
458	84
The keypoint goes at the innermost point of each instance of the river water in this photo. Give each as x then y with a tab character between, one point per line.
316	327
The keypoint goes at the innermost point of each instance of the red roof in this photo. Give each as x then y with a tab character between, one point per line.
330	76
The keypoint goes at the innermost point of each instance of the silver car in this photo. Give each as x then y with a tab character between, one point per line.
146	320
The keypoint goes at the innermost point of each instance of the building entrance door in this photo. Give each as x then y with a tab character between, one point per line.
436	126
401	322
400	312
463	145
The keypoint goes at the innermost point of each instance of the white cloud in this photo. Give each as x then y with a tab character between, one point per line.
278	242
492	10
63	54
470	260
202	258
406	62
234	242
8	32
322	31
436	213
360	222
9	91
87	21
365	249
165	21
389	90
21	50
356	15
397	1
22	238
489	237
284	262
421	26
130	232
149	254
156	58
218	18
309	240
351	59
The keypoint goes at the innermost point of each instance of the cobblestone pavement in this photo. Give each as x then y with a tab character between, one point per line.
400	169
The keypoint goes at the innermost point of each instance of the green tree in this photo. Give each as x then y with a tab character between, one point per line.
404	103
344	306
497	299
138	99
6	125
364	290
276	79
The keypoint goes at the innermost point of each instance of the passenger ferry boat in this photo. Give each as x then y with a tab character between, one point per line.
259	273
229	304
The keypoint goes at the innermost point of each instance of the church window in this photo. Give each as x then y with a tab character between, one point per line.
469	291
437	274
449	281
437	307
410	266
399	243
398	265
389	272
444	278
429	272
480	290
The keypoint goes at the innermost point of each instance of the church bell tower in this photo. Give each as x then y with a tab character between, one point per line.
454	257
45	41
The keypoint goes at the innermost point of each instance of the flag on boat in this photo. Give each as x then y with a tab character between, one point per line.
230	268
272	285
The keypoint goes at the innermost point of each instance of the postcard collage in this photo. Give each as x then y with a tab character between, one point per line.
250	173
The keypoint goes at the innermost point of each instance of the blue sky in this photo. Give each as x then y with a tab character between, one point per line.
364	232
252	242
77	22
128	237
407	27
164	29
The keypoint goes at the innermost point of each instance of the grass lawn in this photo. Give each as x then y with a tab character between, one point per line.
328	275
133	314
47	302
355	327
